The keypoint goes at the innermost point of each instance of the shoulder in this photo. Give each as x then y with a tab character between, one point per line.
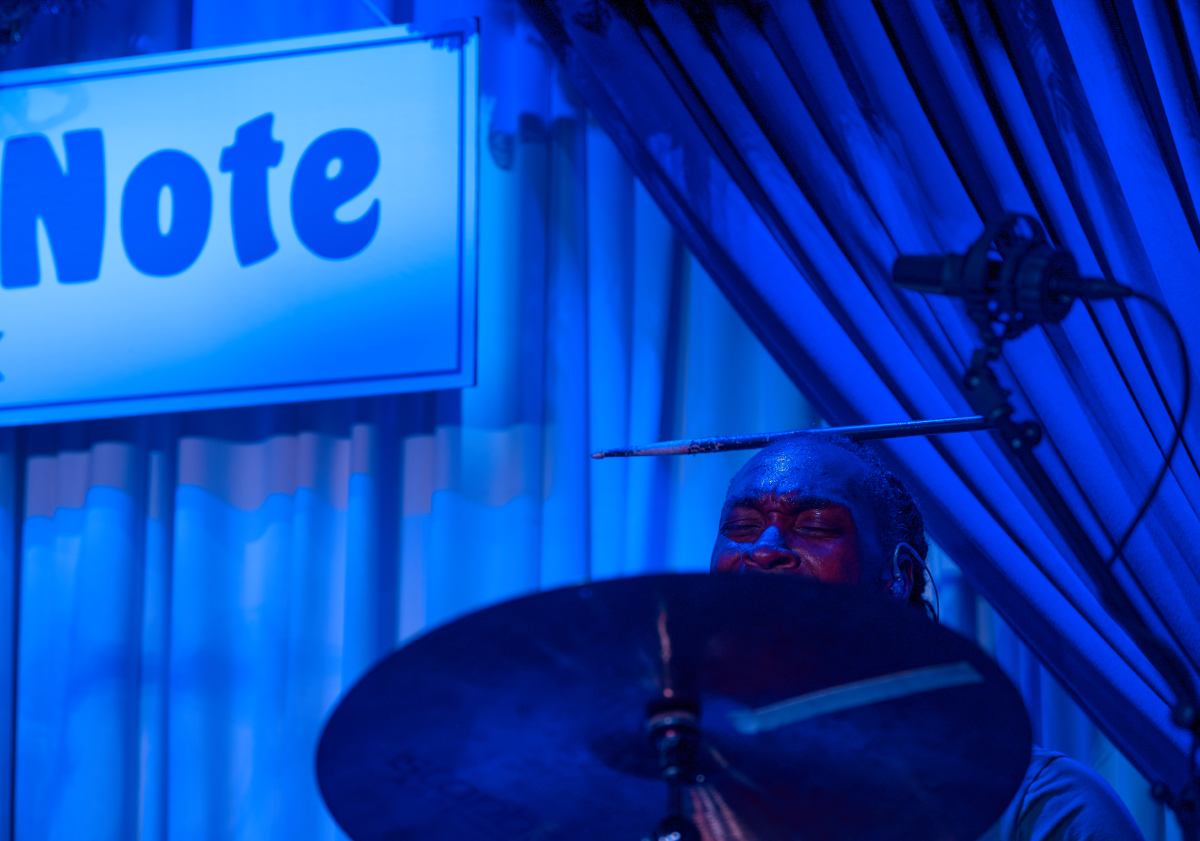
1061	799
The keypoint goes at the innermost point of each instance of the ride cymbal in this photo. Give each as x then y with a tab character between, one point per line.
813	712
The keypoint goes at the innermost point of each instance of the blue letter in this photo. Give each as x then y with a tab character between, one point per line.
316	195
70	202
252	153
150	250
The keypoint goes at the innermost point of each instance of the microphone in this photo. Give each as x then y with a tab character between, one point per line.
1007	276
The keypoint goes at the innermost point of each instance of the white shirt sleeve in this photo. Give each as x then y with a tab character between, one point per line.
1063	800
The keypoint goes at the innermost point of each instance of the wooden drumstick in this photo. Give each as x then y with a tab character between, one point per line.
861	432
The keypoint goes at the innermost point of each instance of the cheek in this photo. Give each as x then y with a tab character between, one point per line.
833	561
726	557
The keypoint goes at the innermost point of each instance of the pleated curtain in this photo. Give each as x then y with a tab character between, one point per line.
801	146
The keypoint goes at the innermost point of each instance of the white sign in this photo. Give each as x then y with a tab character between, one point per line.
288	221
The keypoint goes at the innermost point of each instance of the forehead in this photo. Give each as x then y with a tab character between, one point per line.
803	469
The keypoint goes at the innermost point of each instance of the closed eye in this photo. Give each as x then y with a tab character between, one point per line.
817	531
821	522
741	529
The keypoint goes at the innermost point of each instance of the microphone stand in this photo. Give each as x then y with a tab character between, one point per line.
1002	307
1017	440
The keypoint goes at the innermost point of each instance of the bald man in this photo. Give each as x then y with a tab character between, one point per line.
828	509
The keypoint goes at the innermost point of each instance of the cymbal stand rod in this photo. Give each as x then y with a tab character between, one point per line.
676	826
674	799
675	734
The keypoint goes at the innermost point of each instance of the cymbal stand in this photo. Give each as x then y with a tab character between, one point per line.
674	729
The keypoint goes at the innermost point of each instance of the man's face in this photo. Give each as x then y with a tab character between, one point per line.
801	508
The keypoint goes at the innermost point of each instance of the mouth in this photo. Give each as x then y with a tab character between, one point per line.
787	567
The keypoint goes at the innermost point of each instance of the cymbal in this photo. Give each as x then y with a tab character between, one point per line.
823	713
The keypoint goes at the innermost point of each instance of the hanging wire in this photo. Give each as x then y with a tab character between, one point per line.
1167	660
937	597
1177	435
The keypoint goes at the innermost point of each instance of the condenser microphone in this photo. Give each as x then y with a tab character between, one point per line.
1006	275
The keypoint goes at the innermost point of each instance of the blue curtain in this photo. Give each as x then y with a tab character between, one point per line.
194	592
802	146
190	594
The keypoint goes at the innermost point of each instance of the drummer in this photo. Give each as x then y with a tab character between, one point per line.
828	509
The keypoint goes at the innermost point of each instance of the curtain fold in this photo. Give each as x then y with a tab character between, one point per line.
800	147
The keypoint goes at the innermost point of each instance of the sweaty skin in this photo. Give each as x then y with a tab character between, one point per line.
802	507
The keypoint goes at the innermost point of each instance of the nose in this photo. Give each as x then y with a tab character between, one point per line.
769	551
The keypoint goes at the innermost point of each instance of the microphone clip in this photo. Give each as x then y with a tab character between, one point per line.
1010	279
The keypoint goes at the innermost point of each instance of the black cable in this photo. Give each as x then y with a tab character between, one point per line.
1166	660
937	597
1177	436
1164	657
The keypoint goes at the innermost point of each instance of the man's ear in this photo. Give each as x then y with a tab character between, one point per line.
905	563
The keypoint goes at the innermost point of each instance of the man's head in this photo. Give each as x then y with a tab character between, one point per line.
823	508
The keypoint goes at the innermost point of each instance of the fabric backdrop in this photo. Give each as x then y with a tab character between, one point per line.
801	146
191	593
194	592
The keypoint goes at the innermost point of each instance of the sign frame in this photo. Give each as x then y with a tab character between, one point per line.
463	373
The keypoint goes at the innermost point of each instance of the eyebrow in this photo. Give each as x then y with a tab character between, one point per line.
803	503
